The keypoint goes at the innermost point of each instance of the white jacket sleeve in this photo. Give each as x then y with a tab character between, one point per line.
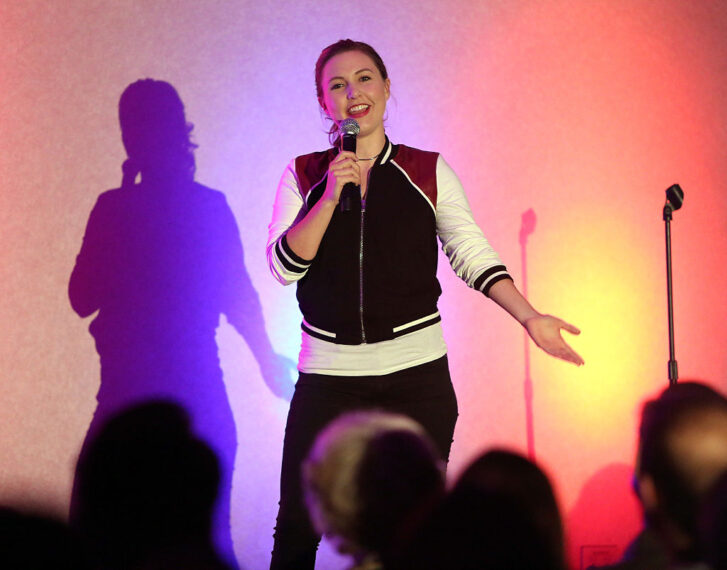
289	207
469	253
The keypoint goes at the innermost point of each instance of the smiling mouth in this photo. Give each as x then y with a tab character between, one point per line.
358	109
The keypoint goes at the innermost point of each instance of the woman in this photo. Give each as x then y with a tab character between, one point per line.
367	283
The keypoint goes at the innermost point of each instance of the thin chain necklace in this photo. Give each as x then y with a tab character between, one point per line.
372	158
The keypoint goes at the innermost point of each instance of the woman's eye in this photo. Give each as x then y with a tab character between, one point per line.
365	78
336	86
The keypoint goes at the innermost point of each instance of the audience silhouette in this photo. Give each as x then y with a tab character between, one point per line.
713	525
368	476
31	540
501	513
682	452
146	487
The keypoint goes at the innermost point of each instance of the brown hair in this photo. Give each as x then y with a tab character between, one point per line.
343	46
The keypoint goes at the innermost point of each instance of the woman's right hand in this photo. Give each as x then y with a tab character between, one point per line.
305	237
342	170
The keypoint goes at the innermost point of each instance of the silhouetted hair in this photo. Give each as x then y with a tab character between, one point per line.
502	513
365	475
32	540
146	484
521	481
676	408
343	46
713	525
154	129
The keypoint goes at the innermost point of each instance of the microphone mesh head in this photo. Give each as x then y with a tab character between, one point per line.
349	127
675	196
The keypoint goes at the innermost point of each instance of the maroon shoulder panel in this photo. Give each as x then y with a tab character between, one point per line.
311	168
421	166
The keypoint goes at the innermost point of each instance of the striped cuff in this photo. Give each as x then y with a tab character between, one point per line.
289	260
489	277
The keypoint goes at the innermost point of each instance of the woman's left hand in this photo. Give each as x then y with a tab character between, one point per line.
545	332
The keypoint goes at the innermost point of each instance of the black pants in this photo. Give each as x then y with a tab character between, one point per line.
424	393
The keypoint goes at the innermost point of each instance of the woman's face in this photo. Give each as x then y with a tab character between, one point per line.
353	88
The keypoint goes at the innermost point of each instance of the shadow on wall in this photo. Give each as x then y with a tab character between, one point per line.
604	519
161	261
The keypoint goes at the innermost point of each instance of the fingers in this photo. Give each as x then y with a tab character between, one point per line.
566	352
345	159
546	334
344	154
345	166
342	170
562	350
346	172
570	328
560	323
570	355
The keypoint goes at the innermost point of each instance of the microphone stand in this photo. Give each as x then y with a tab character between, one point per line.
674	199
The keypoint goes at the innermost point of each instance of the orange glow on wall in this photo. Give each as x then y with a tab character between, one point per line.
584	112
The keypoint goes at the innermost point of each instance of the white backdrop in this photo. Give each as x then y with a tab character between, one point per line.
583	111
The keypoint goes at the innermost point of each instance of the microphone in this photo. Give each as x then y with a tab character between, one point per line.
675	196
351	193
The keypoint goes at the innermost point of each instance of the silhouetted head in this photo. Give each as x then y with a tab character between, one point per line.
682	452
713	525
154	130
33	540
146	483
521	483
502	513
365	475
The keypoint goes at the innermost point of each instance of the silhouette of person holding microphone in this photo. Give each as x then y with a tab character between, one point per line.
161	261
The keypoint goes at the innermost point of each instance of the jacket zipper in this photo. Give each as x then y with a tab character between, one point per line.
360	272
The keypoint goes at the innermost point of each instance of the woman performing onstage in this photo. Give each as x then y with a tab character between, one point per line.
367	285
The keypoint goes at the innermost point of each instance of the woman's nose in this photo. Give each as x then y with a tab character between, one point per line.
351	92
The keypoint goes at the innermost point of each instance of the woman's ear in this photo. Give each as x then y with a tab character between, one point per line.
387	84
323	107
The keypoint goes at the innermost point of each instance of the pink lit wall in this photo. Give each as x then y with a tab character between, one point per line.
583	111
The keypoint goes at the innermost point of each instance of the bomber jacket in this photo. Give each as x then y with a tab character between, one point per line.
374	275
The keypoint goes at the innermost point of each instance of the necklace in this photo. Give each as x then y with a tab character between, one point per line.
372	158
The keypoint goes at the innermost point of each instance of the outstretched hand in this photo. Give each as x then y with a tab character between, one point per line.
545	332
